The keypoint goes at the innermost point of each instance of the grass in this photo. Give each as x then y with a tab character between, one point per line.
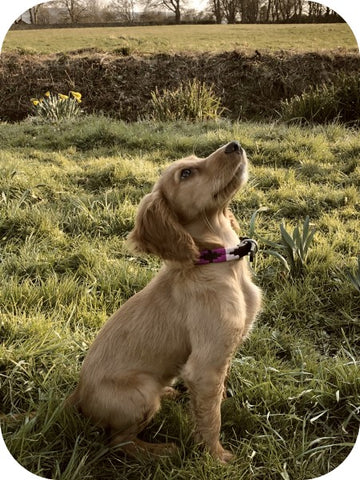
68	195
325	103
186	38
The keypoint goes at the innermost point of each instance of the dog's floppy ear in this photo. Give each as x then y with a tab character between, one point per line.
158	231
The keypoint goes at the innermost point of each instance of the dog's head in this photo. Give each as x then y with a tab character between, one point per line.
188	190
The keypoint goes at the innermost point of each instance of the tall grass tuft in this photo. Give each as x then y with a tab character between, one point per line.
315	105
326	103
192	101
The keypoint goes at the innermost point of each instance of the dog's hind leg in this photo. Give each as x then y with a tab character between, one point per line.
139	448
135	408
132	446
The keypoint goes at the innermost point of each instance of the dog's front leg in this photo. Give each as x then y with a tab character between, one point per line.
206	386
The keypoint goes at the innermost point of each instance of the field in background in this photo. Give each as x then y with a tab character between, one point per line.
186	38
68	196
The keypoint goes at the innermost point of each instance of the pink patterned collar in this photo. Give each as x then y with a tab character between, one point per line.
247	246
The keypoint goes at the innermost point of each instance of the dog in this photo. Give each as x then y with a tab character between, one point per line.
189	320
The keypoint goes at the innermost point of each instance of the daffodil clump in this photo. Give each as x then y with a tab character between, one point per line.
56	107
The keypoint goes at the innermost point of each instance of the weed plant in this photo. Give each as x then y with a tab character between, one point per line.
192	101
293	248
339	100
68	197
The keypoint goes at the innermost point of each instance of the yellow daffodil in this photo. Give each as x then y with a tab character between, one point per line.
76	95
35	101
63	97
47	94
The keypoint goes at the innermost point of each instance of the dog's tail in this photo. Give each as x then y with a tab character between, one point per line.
73	400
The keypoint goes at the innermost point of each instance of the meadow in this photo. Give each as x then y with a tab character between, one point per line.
185	39
68	196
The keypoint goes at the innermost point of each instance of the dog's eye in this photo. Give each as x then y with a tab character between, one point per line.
185	173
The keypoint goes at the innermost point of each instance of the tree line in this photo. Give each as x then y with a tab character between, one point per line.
179	11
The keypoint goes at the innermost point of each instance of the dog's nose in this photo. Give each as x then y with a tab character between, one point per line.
232	147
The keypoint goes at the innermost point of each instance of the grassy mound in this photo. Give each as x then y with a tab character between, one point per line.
248	86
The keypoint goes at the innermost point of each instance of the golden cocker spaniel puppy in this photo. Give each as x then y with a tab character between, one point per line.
189	320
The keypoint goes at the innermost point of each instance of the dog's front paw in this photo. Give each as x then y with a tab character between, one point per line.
224	456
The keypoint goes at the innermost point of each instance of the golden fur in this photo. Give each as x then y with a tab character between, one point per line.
188	321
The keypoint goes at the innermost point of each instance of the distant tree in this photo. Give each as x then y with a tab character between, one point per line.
122	10
39	14
216	8
270	11
317	11
153	17
230	8
175	6
43	17
34	13
93	11
281	10
74	10
249	10
286	9
298	9
265	12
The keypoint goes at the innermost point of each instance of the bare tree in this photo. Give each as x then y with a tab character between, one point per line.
34	13
74	10
93	10
215	7
286	8
175	6
122	10
299	8
281	10
249	10
316	10
230	8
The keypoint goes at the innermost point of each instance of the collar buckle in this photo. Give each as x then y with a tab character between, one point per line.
252	245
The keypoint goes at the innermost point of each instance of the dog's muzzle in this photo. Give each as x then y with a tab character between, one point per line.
233	147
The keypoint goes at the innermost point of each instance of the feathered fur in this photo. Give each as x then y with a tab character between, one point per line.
187	322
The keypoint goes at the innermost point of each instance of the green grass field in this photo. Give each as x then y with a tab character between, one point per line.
68	195
186	38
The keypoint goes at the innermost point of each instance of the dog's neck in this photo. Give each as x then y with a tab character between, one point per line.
218	242
212	231
247	246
